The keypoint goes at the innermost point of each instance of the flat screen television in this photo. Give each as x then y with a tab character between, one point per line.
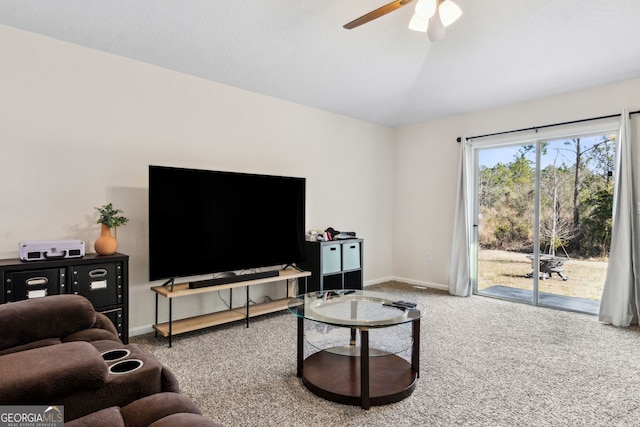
203	221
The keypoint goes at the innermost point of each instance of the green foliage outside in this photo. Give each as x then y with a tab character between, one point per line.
576	194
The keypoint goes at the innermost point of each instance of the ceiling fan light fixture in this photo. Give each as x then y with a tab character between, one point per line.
431	16
436	30
449	12
426	8
418	23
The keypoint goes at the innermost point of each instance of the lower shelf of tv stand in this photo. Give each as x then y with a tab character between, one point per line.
195	323
180	326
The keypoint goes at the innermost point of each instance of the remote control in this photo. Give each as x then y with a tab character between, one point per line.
405	304
401	307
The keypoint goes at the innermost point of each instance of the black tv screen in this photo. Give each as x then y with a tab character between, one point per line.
203	221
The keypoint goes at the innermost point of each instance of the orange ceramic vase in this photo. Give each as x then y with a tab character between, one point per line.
106	244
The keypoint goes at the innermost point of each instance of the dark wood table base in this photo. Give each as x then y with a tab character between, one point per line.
337	377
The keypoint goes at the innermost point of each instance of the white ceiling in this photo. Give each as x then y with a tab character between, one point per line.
499	52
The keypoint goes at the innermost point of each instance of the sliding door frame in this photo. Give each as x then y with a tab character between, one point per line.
528	137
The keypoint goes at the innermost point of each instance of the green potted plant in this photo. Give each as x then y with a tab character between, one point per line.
109	218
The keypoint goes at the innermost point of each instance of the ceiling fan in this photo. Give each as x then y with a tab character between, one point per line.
430	16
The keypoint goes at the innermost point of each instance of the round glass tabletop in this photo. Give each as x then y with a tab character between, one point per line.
356	308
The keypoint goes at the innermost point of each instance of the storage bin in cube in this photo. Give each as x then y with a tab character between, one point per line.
330	258
350	256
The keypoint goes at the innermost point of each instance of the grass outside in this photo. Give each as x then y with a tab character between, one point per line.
505	268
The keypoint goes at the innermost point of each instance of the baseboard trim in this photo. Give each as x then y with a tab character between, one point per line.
141	330
378	281
421	283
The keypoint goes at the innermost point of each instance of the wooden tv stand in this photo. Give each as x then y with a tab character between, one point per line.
175	327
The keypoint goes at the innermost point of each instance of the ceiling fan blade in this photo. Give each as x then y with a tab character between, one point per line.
381	11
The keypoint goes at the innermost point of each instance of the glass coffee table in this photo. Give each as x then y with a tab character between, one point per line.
356	340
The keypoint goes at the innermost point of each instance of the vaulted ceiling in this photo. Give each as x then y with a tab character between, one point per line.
499	52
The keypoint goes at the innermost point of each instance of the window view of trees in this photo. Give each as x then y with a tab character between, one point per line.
576	194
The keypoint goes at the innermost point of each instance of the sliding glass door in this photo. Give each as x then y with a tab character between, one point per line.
544	221
505	206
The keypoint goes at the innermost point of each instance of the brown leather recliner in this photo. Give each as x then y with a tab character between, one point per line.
58	350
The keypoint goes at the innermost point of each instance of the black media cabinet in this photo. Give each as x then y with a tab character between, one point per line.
334	264
102	279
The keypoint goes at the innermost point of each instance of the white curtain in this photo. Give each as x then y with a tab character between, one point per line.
620	297
460	266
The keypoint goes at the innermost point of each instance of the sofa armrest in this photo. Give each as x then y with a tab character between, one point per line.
33	344
144	411
38	376
109	417
167	409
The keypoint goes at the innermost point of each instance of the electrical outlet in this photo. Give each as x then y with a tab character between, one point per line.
429	257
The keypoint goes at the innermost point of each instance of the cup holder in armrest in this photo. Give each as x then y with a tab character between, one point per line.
125	366
116	354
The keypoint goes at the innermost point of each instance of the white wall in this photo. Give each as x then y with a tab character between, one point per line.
78	129
426	169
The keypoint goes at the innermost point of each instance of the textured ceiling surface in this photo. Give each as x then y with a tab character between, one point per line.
499	52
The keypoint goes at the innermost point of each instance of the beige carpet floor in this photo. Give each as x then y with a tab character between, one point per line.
484	362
